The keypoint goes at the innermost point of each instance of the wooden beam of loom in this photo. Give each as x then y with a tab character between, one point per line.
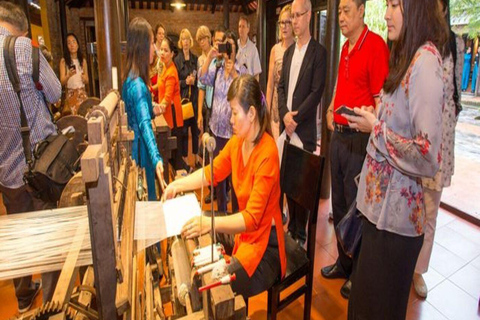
123	299
67	278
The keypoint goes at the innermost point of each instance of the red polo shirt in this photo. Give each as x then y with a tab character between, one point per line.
361	73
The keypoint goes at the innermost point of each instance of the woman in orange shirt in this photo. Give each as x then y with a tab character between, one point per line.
251	156
169	98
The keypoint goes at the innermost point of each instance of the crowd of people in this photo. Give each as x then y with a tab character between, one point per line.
391	157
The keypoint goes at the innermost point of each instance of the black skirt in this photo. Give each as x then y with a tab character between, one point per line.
383	274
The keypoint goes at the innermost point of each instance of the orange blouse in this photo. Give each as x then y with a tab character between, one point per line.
169	91
257	186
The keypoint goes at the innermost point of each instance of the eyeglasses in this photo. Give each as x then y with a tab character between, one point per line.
297	15
284	23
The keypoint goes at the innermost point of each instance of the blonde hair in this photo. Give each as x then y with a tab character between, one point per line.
188	34
285	9
203	32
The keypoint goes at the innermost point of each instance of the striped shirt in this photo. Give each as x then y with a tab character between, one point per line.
12	158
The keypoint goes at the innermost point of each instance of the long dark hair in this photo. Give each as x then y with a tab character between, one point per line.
138	47
246	90
422	22
66	54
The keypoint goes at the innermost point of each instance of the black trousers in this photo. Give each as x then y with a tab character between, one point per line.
347	153
177	160
19	200
267	272
192	125
383	274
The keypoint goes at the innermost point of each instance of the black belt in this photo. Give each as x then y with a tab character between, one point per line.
342	129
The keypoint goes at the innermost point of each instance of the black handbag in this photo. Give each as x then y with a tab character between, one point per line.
54	163
55	159
349	230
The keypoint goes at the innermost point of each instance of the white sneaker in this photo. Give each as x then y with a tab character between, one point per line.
420	285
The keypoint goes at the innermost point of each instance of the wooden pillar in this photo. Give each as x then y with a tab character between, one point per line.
126	16
332	43
45	23
226	14
121	19
25	7
63	24
262	42
107	31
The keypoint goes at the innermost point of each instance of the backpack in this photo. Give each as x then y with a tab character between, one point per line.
55	159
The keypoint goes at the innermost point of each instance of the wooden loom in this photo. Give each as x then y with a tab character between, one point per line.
124	283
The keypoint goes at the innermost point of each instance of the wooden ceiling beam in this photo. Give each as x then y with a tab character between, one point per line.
244	6
214	6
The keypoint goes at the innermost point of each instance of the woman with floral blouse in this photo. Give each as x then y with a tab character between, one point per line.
405	145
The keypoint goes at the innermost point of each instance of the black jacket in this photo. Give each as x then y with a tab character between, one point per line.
308	91
184	69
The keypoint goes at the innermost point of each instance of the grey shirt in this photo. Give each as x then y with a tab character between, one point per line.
248	56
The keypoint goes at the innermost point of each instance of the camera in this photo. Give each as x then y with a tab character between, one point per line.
225	48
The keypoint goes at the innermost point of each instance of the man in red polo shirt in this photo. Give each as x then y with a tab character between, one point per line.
362	71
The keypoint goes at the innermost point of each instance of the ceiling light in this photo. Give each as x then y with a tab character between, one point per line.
178	5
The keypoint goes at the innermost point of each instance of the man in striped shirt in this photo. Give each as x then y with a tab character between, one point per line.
15	195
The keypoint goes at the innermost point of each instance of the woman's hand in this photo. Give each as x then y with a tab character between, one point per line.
159	171
230	68
71	73
190	80
212	54
158	109
191	229
365	120
170	191
200	123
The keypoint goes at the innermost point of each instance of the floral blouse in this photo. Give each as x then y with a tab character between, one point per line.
221	112
443	178
405	145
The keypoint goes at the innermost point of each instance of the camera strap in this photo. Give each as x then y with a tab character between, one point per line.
11	66
217	67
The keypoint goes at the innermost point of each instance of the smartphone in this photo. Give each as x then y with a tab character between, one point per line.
346	110
72	68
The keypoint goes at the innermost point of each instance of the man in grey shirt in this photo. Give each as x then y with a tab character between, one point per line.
247	54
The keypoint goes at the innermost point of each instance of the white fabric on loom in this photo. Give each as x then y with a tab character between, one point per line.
38	242
156	220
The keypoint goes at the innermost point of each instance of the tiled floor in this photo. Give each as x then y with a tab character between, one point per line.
463	192
453	278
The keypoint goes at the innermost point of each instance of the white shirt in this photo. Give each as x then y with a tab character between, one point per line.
297	61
